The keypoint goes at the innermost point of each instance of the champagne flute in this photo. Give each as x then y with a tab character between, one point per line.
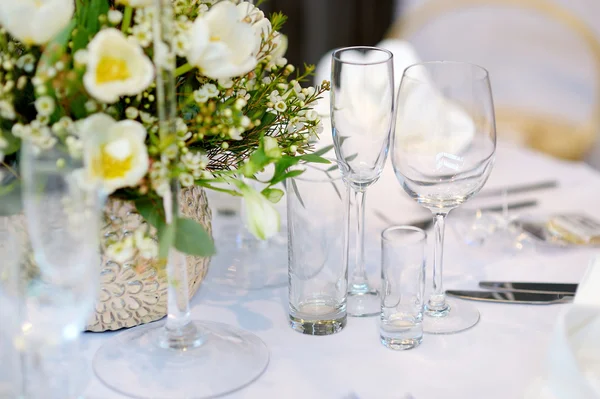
443	152
362	103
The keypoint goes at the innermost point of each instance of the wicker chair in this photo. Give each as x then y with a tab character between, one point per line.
556	49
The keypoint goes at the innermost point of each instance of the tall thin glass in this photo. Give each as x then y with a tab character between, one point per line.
443	152
56	295
181	357
362	104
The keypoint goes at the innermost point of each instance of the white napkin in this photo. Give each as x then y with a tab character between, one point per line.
573	363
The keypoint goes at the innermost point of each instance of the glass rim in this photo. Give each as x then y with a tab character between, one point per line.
422	235
486	74
338	51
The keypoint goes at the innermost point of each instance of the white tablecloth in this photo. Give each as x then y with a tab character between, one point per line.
497	359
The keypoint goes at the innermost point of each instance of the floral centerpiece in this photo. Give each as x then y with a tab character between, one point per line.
72	70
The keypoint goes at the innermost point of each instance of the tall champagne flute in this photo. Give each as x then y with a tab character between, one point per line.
362	103
181	357
443	152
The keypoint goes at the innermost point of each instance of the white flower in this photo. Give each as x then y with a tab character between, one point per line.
75	147
261	26
262	219
117	155
280	106
116	67
131	113
121	251
211	90
7	111
195	162
136	3
186	180
146	246
311	115
221	45
271	147
143	34
35	21
115	17
45	106
200	96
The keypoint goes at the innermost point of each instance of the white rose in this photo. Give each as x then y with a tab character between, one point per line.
35	21
221	45
262	219
116	67
136	3
116	153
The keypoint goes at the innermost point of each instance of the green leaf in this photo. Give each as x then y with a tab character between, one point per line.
295	188
314	158
273	194
166	237
285	176
192	239
323	150
152	211
351	158
10	198
96	8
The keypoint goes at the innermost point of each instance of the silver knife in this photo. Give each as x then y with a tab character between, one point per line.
517	189
527	298
426	223
543	288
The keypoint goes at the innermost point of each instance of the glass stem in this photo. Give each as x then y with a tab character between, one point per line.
360	283
180	332
437	305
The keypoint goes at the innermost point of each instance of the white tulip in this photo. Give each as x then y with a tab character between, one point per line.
262	219
136	3
221	44
116	67
35	21
116	152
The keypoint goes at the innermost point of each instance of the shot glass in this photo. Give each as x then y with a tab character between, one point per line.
403	286
317	261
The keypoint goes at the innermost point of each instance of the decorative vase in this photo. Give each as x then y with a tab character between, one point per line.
135	292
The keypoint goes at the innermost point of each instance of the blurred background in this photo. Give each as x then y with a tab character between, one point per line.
543	55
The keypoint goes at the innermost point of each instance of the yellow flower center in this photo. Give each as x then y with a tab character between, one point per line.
110	167
110	69
215	38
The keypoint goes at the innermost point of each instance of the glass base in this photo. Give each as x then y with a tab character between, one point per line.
400	344
460	316
363	304
318	327
134	364
245	262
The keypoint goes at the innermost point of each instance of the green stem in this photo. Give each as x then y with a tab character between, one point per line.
185	68
127	19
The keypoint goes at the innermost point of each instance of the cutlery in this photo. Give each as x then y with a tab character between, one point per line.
517	189
529	298
426	223
542	288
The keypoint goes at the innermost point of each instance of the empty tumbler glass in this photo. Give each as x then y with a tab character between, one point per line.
402	286
318	268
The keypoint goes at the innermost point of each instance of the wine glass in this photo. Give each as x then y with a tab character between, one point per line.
443	152
56	294
362	103
181	357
